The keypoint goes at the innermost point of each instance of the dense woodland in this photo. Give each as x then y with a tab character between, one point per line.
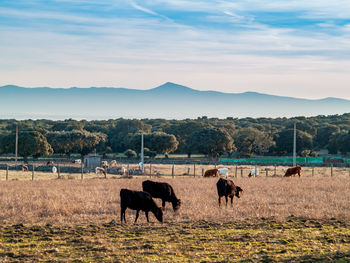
244	137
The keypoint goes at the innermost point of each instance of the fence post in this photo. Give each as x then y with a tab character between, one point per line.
203	172
150	170
313	171
7	172
33	172
275	173
82	171
331	169
267	172
194	170
255	171
236	171
241	171
172	171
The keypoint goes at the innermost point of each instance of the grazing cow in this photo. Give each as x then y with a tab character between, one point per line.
25	168
138	200
253	172
163	191
211	173
228	189
104	164
293	170
223	171
100	170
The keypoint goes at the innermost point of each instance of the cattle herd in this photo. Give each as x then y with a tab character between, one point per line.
143	200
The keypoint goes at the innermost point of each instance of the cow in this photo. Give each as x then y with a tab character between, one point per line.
228	189
293	170
100	170
223	171
163	191
138	200
104	164
253	172
211	173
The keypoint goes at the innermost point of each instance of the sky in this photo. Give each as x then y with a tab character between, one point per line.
289	48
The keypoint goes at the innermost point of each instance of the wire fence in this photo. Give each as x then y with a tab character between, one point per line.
71	170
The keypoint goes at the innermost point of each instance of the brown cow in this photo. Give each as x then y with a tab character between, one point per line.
293	170
212	173
227	188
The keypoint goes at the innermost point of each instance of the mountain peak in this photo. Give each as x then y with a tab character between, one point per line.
170	86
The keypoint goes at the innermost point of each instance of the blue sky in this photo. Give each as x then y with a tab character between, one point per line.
290	48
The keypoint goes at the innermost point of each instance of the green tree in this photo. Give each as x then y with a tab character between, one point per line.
30	143
130	153
76	141
284	141
250	141
339	142
324	133
211	141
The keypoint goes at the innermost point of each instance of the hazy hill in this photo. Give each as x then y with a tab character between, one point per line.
170	101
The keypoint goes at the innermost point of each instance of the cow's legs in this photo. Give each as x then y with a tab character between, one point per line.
137	215
219	199
122	214
146	213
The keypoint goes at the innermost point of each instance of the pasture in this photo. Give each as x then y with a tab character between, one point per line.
277	219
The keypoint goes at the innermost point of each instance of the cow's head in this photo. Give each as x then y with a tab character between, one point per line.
238	192
159	214
176	205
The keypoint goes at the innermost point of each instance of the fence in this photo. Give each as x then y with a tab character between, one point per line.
67	170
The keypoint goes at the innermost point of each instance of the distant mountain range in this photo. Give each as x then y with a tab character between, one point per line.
169	101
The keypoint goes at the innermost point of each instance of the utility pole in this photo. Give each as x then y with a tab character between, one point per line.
16	150
142	159
294	144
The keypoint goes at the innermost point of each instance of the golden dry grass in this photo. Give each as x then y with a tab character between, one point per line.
97	200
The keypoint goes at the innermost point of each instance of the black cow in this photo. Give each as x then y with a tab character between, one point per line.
138	200
228	189
163	191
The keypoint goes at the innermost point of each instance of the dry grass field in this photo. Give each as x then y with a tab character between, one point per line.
277	219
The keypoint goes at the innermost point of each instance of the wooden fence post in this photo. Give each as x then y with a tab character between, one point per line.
331	169
194	170
33	172
241	171
7	172
82	171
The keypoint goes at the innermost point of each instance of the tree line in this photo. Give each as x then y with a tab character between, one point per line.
243	137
